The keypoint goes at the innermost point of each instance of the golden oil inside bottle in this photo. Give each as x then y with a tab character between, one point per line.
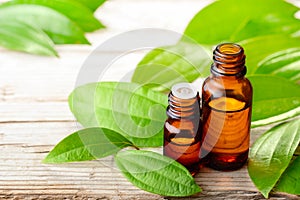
183	146
182	128
226	124
226	110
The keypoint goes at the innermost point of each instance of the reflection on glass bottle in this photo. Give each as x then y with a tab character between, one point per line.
226	107
182	128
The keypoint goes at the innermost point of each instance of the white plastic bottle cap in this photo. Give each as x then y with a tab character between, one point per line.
184	91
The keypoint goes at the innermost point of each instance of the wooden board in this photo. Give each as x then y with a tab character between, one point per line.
25	144
34	114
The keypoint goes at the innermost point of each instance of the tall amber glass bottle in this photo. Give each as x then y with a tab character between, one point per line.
182	128
226	108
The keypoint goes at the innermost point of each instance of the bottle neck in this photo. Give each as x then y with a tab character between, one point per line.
229	60
183	108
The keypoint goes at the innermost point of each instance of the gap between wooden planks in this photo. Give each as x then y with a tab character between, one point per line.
34	115
24	145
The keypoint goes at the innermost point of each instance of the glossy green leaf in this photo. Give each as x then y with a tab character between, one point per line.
289	182
271	154
134	111
91	4
87	144
156	173
233	21
274	99
260	48
284	63
58	27
166	66
22	37
78	13
262	31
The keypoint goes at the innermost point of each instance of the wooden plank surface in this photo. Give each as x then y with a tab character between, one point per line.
34	115
24	145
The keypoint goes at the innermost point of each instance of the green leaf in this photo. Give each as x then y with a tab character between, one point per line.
87	144
289	182
156	173
134	111
270	155
58	27
166	66
262	31
284	63
22	37
92	4
233	21
75	11
274	99
260	48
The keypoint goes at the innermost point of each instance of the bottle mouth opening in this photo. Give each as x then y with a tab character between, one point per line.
229	59
229	49
229	56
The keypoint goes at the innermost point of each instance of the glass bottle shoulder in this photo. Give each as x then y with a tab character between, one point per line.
221	86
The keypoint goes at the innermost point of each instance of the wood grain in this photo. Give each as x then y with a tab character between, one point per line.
34	114
23	175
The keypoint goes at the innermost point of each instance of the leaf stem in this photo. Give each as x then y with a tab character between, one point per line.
137	148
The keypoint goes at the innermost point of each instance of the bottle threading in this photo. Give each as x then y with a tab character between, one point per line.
182	131
226	108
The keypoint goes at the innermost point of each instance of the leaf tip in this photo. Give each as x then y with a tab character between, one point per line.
86	41
46	160
265	193
55	53
198	189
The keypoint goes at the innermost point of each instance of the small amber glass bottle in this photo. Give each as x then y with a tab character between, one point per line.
226	108
182	128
